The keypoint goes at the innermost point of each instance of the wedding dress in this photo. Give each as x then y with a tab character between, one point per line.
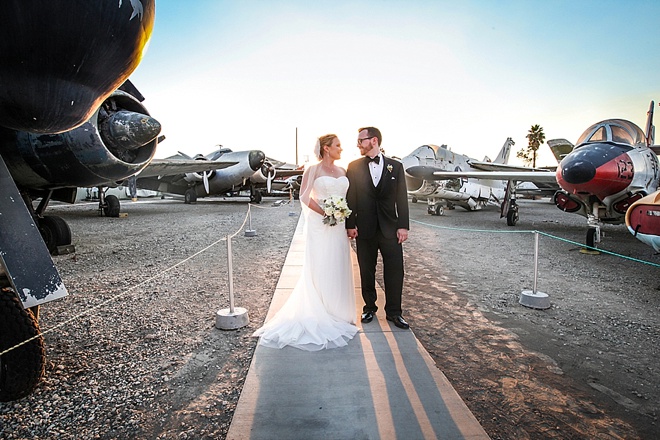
321	312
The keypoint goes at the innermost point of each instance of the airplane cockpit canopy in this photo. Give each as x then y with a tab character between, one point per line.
216	154
617	131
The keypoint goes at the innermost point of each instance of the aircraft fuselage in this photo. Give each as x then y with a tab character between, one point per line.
470	194
610	168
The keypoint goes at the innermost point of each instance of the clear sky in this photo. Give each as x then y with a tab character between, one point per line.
246	74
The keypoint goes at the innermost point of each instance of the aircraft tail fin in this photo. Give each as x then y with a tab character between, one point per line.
503	156
560	148
650	129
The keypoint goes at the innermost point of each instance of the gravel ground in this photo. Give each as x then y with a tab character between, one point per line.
584	368
144	360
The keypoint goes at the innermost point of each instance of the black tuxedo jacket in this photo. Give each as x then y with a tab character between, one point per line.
383	207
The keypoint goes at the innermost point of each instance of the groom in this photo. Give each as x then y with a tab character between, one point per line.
378	197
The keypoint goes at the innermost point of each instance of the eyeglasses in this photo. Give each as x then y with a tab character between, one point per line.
359	141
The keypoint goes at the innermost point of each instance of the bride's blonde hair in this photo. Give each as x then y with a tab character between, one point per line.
323	141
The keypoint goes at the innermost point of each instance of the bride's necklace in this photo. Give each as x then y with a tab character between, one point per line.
332	170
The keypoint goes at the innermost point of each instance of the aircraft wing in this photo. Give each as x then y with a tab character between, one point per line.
170	167
522	174
491	166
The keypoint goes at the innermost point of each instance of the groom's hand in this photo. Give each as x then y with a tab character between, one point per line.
402	235
352	233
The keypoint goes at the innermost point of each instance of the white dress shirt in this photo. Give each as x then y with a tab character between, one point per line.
376	169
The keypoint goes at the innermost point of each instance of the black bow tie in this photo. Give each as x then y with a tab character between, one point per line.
375	159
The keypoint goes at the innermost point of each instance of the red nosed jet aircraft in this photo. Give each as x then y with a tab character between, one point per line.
613	165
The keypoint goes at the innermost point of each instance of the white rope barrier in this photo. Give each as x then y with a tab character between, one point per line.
124	293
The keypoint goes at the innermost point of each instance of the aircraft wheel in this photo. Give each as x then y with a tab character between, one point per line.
591	237
112	206
190	196
256	197
436	210
55	232
414	200
512	217
22	368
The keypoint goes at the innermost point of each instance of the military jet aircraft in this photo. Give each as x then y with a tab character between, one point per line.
613	165
440	175
62	63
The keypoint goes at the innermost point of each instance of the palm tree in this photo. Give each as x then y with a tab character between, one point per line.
536	138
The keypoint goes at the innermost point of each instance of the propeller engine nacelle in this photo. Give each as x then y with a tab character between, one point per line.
199	177
118	141
265	174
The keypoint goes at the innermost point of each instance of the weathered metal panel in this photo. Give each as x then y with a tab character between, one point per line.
23	253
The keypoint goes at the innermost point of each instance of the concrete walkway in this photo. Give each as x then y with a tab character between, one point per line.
383	385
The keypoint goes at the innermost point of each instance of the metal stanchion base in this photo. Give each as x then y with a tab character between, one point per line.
534	300
250	232
225	320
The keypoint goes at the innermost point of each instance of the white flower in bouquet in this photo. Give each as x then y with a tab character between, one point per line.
336	210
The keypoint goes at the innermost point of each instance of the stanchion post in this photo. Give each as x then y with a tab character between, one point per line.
230	275
533	298
291	200
234	317
249	232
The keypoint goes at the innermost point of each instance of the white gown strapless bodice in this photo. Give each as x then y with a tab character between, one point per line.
326	186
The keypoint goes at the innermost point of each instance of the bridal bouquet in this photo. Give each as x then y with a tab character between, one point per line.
336	210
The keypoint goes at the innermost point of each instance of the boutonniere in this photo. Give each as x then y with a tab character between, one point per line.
389	168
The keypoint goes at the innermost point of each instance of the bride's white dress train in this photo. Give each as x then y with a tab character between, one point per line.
321	312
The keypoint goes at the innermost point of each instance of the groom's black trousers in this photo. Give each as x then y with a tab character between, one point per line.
392	253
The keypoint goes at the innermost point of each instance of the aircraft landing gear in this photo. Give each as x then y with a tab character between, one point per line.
512	216
55	232
22	368
108	205
593	237
112	206
255	196
593	232
190	196
509	205
436	209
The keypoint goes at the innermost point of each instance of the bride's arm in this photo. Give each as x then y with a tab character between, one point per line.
306	186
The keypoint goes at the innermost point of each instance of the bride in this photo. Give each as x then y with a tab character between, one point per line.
320	313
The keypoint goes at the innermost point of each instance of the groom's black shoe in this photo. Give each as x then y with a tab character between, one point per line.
398	321
367	317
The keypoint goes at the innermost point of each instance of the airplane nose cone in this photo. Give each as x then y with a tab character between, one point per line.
599	169
128	130
256	159
578	172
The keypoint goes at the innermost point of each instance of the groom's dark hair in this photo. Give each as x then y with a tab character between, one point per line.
373	132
